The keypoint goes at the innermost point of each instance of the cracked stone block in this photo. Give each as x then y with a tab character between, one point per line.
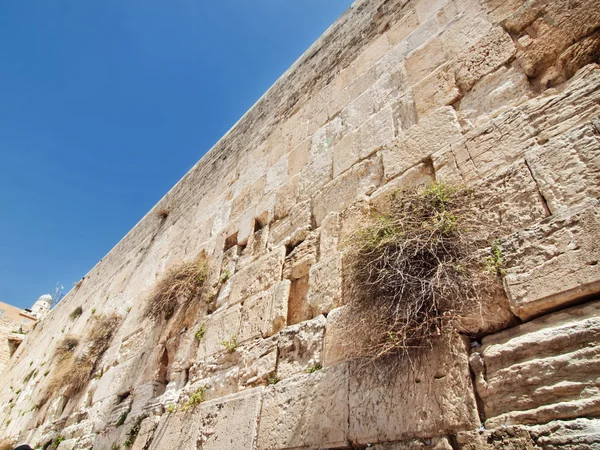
392	405
219	327
309	410
325	285
436	90
294	228
229	422
361	180
553	263
567	167
490	52
258	276
436	443
300	347
433	132
542	370
298	262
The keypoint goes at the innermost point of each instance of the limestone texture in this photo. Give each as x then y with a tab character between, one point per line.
499	96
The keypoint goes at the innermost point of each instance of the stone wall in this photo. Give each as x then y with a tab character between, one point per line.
503	96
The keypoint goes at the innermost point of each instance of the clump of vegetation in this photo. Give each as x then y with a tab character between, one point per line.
76	313
415	271
172	408
195	399
121	420
57	441
76	371
231	344
314	368
273	378
163	213
30	375
200	332
178	288
134	431
495	262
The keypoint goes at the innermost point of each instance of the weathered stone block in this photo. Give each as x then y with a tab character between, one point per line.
489	53
294	228
298	262
553	263
543	370
219	327
424	61
325	285
437	89
567	167
361	180
257	276
420	141
229	422
308	410
394	405
300	347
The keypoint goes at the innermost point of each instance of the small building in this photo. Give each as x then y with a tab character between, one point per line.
15	323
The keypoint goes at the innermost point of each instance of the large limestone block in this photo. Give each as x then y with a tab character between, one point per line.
437	89
300	347
294	228
433	132
325	285
361	180
555	262
490	52
567	167
258	276
433	397
227	423
543	370
436	443
578	434
306	411
219	327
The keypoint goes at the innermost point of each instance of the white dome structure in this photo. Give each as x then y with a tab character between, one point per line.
41	307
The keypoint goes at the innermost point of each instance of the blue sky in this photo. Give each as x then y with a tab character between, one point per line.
105	104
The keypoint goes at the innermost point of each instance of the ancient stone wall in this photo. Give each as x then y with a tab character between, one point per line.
499	95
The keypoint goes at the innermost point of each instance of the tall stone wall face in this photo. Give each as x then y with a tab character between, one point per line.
500	95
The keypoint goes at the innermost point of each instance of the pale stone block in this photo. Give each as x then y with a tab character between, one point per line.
325	285
294	228
375	133
306	411
286	197
395	405
255	315
427	8
436	443
424	32
438	89
330	235
298	158
229	422
258	276
567	167
489	53
258	361
361	180
245	226
358	111
433	132
494	93
300	347
298	308
219	327
345	153
257	247
277	319
298	262
249	196
362	83
277	174
391	60
422	62
336	333
371	54
404	27
463	22
420	175
543	370
390	88
555	262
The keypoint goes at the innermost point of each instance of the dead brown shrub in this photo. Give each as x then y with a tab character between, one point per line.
179	288
6	445
75	371
163	213
413	273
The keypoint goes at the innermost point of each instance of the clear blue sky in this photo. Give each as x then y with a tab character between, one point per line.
105	104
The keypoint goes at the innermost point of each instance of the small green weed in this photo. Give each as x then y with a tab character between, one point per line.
76	313
495	262
121	420
314	368
273	379
231	344
195	399
200	332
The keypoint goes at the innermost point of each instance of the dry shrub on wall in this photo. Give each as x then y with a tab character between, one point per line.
179	288
75	371
6	445
414	273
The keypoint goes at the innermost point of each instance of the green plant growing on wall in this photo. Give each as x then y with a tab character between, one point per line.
121	420
231	344
195	398
273	378
76	313
57	441
180	287
134	431
415	272
495	262
314	367
200	332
